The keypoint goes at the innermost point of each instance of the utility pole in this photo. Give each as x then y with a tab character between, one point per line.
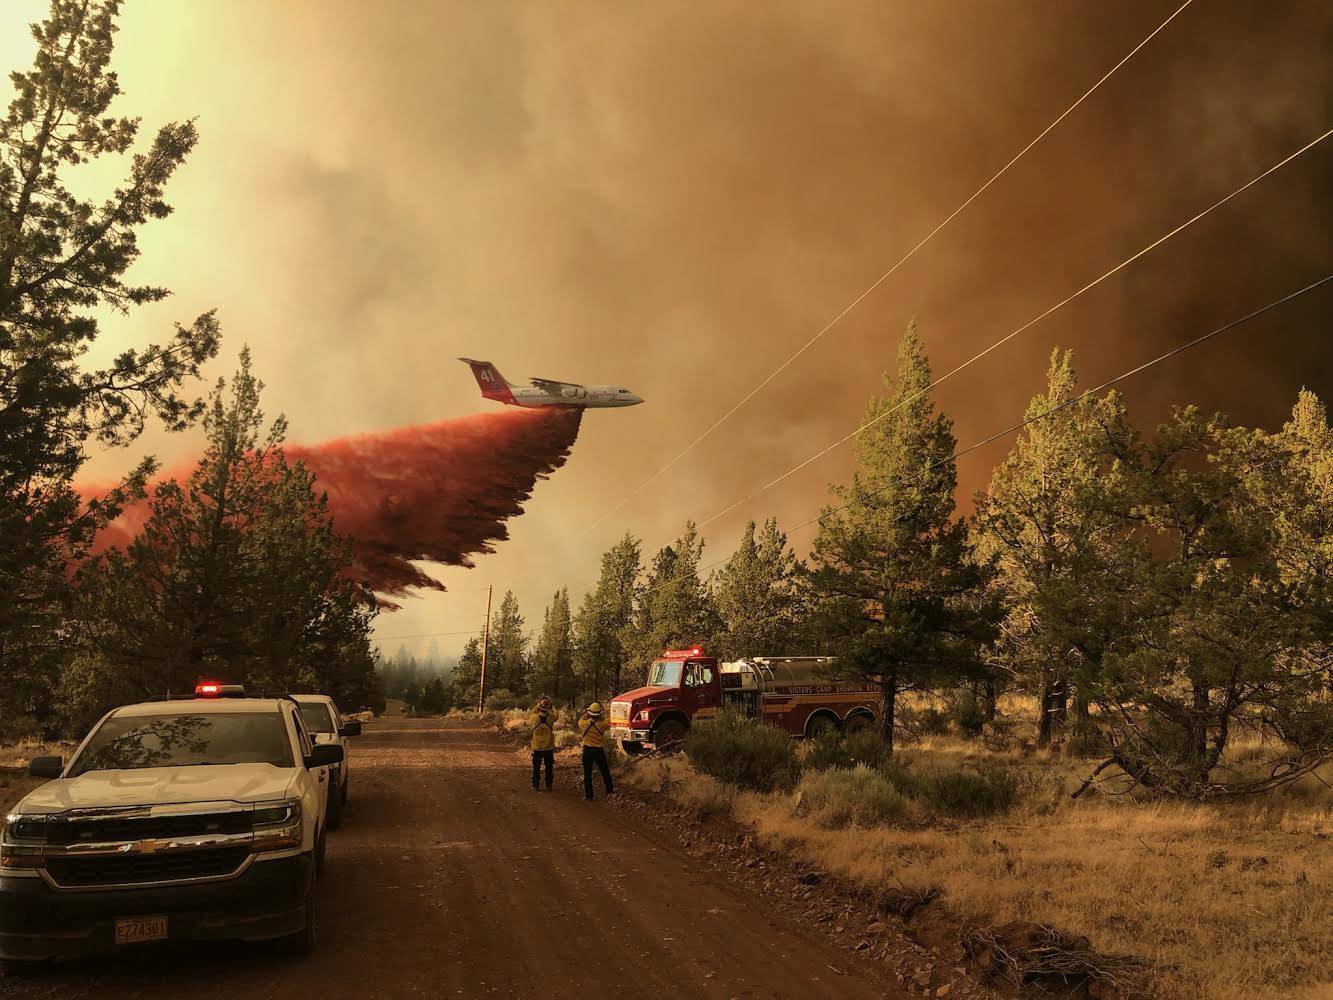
485	645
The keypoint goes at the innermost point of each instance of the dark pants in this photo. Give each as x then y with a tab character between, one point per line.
591	756
540	757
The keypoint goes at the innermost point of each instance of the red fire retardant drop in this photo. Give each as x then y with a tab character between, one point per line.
439	492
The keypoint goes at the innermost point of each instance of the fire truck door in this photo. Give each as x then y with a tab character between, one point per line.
700	690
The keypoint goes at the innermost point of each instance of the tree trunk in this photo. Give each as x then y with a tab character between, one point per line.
1060	707
888	687
989	698
1043	708
1081	706
1199	731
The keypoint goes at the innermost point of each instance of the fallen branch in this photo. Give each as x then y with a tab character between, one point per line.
1092	777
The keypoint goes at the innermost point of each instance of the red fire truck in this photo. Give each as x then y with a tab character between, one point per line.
794	693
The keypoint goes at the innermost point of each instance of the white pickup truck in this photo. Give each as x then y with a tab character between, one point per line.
326	725
201	818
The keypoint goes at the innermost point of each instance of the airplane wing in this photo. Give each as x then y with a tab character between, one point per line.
551	385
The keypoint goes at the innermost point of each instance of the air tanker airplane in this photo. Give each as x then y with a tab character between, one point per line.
545	391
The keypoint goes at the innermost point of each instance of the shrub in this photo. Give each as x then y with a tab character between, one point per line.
835	750
966	713
859	796
959	791
502	698
740	751
919	722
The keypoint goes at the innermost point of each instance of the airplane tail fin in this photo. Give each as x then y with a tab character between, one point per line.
489	379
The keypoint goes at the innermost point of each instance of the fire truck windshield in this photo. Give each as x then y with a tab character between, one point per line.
665	673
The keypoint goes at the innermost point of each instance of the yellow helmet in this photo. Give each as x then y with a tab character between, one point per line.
595	709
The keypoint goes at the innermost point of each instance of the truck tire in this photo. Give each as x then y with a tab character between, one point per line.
303	941
820	726
321	849
858	723
631	748
668	734
347	781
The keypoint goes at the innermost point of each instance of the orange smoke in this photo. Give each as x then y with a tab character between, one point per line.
439	492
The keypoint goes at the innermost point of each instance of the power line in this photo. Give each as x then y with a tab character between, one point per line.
425	635
883	277
1188	345
1014	333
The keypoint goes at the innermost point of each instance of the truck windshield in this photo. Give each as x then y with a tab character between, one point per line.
316	717
665	673
132	742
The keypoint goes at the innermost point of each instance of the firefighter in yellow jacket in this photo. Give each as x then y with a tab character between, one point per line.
543	742
592	731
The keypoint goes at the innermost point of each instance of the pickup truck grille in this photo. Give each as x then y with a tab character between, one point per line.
129	869
110	829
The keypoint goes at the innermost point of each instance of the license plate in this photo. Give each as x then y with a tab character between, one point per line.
132	929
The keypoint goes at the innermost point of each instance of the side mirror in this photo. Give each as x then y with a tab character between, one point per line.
350	729
46	767
324	755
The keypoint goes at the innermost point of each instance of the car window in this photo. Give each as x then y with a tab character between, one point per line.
185	739
315	715
664	673
302	737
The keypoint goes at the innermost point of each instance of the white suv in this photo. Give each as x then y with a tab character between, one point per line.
321	718
188	819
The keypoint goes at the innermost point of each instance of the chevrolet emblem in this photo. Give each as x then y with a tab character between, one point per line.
147	846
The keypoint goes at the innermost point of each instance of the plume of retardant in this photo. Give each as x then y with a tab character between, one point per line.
440	492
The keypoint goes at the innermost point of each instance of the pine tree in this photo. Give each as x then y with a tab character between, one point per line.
603	618
507	660
897	590
1215	633
674	606
237	573
553	658
63	258
1051	517
756	596
466	680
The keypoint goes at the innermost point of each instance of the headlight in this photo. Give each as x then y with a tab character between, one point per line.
277	814
20	842
20	827
277	825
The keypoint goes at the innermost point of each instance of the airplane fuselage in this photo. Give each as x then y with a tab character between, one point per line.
585	395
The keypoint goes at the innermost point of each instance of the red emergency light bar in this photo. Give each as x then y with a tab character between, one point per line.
682	654
212	689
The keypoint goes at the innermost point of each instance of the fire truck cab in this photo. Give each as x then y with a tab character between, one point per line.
795	693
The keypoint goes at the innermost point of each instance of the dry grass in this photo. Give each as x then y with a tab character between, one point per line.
1229	901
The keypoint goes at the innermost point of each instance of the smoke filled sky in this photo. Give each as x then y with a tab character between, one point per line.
675	196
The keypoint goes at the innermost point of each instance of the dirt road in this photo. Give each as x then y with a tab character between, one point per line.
452	878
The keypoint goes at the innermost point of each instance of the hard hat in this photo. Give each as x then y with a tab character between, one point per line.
595	709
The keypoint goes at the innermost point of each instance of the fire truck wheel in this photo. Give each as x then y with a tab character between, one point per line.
631	748
857	724
821	726
667	733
